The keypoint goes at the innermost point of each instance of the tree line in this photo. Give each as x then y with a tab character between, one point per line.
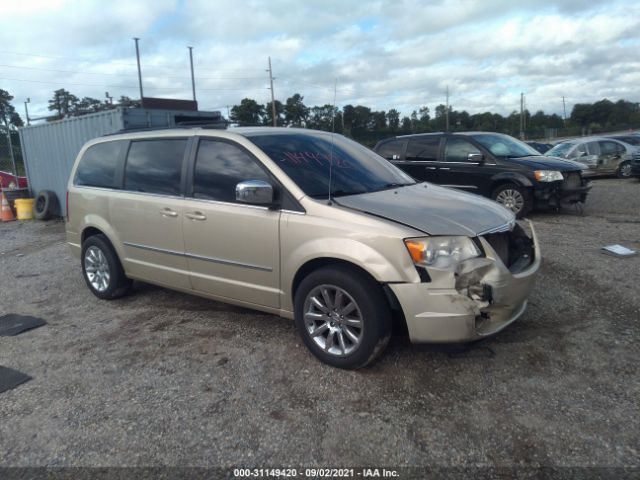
367	125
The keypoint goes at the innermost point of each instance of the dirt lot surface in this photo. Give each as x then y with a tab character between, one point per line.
163	378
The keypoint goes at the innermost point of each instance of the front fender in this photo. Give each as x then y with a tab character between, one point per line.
515	177
396	266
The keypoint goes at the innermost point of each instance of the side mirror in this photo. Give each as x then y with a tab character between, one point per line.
255	192
583	154
476	158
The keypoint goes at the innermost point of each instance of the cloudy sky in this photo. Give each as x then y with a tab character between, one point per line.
383	54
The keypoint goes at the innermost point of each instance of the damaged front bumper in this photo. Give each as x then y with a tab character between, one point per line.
481	298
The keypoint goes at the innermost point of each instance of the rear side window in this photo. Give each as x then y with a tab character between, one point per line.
219	167
391	150
155	166
99	166
611	148
423	149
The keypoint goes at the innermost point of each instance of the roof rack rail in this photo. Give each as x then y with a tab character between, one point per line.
180	125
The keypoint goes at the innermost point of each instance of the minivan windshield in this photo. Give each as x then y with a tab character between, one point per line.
305	158
505	146
559	150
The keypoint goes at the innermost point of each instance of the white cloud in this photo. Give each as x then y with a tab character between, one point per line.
384	54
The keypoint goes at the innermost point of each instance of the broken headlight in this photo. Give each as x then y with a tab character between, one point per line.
441	252
548	175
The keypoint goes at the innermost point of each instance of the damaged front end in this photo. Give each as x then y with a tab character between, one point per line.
477	296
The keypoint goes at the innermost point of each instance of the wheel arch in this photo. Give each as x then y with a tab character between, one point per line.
510	177
321	262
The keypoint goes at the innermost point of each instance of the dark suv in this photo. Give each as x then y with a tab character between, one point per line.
491	164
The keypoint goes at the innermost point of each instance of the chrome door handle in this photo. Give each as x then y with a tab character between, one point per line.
445	168
195	216
167	212
430	168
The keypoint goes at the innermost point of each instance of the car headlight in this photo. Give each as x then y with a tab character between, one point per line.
441	252
548	175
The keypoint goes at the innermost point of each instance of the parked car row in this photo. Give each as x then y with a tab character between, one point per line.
601	155
494	165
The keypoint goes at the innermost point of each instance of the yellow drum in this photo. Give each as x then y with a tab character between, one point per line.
24	208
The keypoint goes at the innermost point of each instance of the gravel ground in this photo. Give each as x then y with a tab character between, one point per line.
162	378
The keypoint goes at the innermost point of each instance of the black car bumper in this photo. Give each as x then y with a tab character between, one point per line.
635	167
573	189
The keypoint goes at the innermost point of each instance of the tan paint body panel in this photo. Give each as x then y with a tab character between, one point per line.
249	256
440	312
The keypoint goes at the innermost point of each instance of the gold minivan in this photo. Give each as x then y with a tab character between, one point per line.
303	224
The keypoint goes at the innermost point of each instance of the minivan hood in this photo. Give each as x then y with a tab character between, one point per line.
543	162
432	209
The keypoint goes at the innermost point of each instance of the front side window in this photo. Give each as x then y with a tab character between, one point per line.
579	151
423	149
100	165
593	148
155	166
306	158
458	150
219	167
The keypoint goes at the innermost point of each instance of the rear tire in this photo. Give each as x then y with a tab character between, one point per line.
515	198
348	313
624	170
102	270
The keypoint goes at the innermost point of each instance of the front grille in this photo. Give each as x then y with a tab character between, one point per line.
514	248
572	181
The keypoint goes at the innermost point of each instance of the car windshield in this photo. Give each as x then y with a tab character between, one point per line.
505	146
559	150
305	158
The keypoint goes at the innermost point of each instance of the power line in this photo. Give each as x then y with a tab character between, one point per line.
101	85
110	62
121	75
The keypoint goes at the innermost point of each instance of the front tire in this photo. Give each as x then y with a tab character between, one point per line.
102	270
342	316
514	197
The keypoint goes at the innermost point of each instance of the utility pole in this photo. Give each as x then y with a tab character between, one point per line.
446	113
26	111
521	116
193	80
564	108
273	102
13	159
139	70
524	112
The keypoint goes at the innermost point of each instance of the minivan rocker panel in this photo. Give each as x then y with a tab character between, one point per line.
454	266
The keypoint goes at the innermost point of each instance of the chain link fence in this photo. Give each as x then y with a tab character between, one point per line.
6	164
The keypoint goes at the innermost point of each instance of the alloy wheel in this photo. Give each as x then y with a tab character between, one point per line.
333	320
96	268
511	198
